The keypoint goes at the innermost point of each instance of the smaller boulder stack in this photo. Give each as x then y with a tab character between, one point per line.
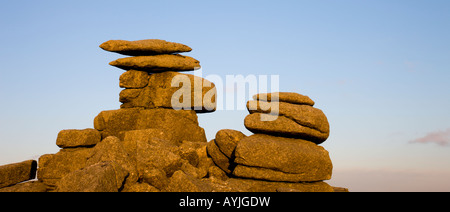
284	147
295	117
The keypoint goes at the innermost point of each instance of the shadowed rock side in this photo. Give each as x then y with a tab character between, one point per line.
12	174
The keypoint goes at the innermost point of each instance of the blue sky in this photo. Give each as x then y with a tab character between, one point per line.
378	69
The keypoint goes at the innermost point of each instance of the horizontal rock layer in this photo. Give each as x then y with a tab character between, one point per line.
11	174
304	115
181	124
144	47
281	159
78	138
157	63
282	126
288	97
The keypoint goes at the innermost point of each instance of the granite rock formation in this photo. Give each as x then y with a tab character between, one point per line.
297	118
153	144
284	147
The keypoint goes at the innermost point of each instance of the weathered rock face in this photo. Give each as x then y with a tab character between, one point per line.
307	122
134	79
148	135
113	150
302	114
100	177
144	47
172	90
52	167
281	159
17	172
157	63
156	156
135	164
282	126
181	124
78	138
220	159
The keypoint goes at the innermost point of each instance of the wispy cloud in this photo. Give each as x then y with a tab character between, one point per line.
441	138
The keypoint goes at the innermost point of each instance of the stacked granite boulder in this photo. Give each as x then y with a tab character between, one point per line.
152	77
150	83
285	147
295	117
141	146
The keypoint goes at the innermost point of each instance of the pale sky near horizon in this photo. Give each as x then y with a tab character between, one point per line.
379	70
